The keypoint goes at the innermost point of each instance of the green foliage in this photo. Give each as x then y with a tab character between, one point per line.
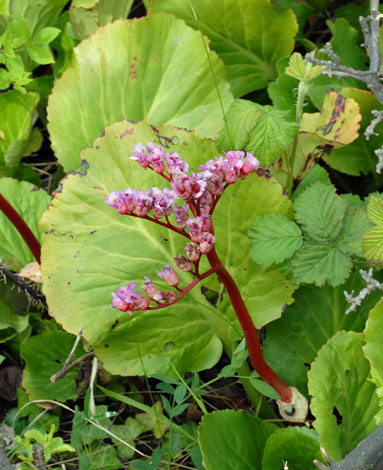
293	341
26	447
87	17
262	130
298	447
137	84
30	204
331	234
373	239
274	238
344	400
50	348
249	37
81	242
225	435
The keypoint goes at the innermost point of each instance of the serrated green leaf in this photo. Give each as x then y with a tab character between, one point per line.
226	435
283	91
293	341
46	35
338	380
40	54
296	67
273	133
355	224
320	211
375	211
274	238
298	447
262	130
249	37
318	173
241	118
320	263
372	244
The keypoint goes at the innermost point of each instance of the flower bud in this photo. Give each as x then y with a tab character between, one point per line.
183	263
169	275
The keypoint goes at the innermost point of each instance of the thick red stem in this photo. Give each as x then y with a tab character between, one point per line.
22	227
251	334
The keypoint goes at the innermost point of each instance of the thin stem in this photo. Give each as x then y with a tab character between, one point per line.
251	334
187	289
163	224
21	227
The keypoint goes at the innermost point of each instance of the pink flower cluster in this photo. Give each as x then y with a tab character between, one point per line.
127	299
200	191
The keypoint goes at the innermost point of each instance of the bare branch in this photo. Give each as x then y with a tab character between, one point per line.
67	365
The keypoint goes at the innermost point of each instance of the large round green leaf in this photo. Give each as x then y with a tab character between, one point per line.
345	401
373	337
30	203
298	447
250	37
90	250
233	440
293	341
154	68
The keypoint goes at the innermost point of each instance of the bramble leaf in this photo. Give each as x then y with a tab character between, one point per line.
375	211
372	244
338	382
274	238
262	130
355	224
318	263
320	211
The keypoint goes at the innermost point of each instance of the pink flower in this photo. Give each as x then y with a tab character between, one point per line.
250	165
139	155
192	251
144	203
182	185
175	164
151	290
126	299
169	275
198	183
183	263
181	214
163	203
207	243
195	228
155	157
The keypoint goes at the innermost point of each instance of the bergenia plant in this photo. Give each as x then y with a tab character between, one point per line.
200	193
